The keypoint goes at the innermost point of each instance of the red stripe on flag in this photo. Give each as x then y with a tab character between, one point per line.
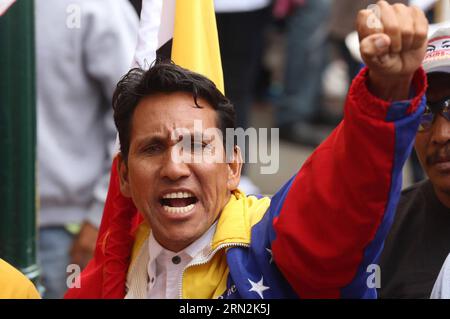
105	275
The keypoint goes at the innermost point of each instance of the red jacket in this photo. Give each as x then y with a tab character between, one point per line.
325	227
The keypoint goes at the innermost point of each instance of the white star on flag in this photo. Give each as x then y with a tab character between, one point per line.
258	287
271	255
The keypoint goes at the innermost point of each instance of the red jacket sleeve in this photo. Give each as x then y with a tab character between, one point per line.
339	207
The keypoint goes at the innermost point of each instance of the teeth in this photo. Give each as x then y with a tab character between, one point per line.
178	195
178	210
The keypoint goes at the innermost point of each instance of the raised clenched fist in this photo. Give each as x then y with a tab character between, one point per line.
393	42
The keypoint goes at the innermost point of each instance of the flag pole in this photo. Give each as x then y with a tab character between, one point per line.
18	139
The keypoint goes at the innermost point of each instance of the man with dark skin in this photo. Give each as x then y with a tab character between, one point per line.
419	240
433	145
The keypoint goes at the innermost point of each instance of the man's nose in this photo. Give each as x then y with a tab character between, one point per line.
173	168
440	130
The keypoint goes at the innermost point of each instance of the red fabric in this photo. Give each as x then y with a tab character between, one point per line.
332	199
105	275
333	210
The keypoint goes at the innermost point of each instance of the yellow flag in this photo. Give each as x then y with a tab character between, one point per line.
195	41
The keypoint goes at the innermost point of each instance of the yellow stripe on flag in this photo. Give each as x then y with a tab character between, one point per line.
195	41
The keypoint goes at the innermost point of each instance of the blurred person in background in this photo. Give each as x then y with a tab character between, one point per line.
419	240
83	48
306	48
240	26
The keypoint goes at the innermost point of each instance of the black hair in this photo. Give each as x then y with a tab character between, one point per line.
166	77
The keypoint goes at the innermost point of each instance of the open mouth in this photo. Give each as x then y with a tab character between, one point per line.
443	160
178	202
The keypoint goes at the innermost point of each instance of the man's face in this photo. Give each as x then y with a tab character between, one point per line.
433	145
179	200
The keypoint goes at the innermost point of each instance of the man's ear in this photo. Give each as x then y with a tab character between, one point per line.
234	169
122	168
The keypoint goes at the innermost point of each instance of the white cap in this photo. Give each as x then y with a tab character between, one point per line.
437	58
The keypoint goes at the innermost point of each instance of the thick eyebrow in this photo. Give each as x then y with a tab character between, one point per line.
162	139
445	42
197	136
155	139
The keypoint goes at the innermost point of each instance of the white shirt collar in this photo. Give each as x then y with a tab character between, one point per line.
201	244
154	274
165	267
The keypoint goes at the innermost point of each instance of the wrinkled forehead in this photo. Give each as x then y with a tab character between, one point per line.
172	115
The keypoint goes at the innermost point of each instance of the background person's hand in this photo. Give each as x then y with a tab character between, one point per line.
84	245
393	43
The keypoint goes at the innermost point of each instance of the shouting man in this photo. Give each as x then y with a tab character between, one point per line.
198	236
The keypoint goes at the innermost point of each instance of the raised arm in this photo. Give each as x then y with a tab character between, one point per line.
335	213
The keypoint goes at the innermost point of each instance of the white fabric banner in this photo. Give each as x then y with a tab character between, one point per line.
156	28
